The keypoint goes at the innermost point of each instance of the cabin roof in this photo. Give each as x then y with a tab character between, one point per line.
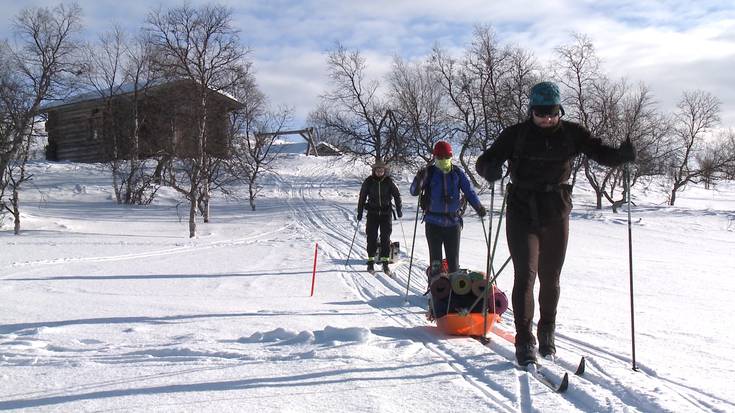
119	90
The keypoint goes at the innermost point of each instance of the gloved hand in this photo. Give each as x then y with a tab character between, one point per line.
481	211
399	212
359	216
627	151
421	175
490	172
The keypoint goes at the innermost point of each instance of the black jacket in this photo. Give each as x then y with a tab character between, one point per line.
376	194
540	163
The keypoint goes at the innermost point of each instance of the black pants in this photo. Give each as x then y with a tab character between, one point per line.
383	223
535	250
436	236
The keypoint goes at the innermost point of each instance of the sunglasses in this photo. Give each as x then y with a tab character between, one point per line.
551	115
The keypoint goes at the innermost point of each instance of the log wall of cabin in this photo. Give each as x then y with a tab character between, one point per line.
81	133
72	131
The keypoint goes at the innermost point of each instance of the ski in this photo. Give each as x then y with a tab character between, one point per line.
540	373
580	367
542	376
388	273
578	371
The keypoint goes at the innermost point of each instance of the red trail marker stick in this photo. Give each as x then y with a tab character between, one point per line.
313	273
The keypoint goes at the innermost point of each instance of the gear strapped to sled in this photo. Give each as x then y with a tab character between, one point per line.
456	303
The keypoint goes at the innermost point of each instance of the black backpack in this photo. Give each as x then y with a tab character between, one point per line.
425	194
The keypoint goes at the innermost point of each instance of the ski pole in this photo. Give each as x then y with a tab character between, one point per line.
405	243
413	244
352	243
491	281
497	232
484	338
487	263
630	265
492	255
488	239
490	225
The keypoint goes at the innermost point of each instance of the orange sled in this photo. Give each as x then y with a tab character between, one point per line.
471	324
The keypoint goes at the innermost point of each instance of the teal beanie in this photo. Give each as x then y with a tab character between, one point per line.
545	94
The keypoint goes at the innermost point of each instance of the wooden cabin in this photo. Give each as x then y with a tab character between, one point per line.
96	128
325	149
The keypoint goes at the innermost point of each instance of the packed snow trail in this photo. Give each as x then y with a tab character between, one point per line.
607	378
108	307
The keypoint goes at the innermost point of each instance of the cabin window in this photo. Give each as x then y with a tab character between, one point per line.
95	125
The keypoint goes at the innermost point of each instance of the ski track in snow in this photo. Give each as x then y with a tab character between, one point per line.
491	371
487	369
194	246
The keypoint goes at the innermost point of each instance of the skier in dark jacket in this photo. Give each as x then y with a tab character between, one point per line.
540	151
444	184
375	197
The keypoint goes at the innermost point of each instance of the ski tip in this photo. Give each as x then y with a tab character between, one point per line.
581	367
564	385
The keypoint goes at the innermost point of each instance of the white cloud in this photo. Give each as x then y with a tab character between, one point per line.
293	78
671	45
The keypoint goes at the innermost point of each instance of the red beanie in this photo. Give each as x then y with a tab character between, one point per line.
443	149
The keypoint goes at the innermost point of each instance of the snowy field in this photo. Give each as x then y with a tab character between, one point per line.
109	308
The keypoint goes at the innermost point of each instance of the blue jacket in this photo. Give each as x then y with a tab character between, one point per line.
444	201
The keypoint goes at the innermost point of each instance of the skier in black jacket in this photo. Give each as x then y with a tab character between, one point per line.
375	197
540	151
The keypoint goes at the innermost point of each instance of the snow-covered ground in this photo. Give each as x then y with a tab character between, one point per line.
112	308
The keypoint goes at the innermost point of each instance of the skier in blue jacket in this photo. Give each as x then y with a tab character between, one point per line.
441	186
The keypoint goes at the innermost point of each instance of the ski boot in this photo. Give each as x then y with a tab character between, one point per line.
371	267
525	354
386	269
546	347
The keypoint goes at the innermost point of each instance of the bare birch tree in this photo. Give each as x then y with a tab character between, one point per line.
16	174
698	112
464	105
105	60
139	185
633	118
577	68
121	74
420	108
353	111
252	154
42	65
524	72
728	146
486	91
202	46
503	75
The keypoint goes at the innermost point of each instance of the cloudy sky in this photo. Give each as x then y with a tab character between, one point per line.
670	45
